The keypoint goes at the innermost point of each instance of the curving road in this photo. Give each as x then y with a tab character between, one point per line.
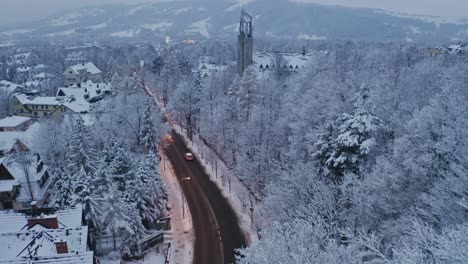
217	231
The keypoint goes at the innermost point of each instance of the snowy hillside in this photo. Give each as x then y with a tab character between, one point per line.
218	19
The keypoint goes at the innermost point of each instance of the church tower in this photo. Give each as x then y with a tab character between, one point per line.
245	42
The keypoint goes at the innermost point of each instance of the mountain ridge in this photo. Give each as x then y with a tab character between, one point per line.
202	20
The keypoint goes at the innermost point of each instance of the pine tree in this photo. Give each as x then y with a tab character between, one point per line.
116	84
122	218
349	140
117	159
63	188
85	195
113	69
80	152
146	190
101	182
148	128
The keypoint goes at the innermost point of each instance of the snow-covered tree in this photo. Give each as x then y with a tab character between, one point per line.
343	149
148	131
62	188
170	75
248	91
80	151
187	103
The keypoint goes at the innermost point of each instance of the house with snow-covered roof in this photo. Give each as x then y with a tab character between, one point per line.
35	106
71	105
23	220
82	72
23	179
18	141
19	58
89	91
44	235
10	142
207	69
32	85
8	88
269	61
15	123
23	73
43	76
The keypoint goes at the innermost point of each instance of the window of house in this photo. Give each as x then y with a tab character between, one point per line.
35	114
45	113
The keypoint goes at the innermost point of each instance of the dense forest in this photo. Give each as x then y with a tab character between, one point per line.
359	157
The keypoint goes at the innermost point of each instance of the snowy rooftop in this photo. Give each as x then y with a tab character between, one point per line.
37	100
37	243
91	90
75	56
81	258
23	69
44	75
13	121
8	87
288	59
85	66
14	221
77	105
31	83
22	55
8	139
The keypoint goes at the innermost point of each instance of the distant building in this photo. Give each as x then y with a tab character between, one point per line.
273	61
207	69
245	42
43	76
89	91
20	59
456	48
82	72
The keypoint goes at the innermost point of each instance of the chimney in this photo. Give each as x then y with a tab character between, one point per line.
33	204
49	222
61	247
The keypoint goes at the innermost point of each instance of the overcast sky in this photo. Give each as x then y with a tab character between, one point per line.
13	11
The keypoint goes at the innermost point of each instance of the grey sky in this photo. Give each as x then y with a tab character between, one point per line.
13	11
